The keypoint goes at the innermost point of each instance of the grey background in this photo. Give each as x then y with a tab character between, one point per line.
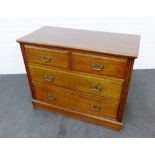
19	119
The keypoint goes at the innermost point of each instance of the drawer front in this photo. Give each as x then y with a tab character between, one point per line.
46	56
76	101
97	86
101	65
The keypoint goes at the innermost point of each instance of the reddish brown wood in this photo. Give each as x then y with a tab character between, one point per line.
125	90
110	87
27	70
35	54
118	126
102	42
76	101
112	66
74	52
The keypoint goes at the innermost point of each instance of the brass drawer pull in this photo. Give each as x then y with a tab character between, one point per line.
51	97
97	67
96	87
46	58
48	78
95	107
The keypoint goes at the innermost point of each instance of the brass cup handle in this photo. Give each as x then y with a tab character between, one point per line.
95	107
46	58
48	78
51	97
96	87
97	67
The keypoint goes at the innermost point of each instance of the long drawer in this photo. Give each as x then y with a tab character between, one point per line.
46	56
105	87
76	101
100	65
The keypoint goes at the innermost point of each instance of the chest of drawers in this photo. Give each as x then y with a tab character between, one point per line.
79	73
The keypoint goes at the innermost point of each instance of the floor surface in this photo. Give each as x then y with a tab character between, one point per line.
19	119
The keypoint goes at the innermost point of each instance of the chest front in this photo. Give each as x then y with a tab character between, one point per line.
77	79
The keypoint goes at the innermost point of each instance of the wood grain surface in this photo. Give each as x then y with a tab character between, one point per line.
76	101
57	58
109	88
82	74
102	42
111	66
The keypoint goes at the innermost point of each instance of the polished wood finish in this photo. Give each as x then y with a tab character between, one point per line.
101	42
111	66
83	83
76	101
27	69
125	90
81	74
108	123
57	58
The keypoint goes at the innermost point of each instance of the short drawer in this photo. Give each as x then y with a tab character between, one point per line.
105	87
76	101
101	65
46	56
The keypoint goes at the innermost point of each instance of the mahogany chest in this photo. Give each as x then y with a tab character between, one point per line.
79	73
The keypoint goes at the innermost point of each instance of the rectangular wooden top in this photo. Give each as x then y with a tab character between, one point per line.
102	42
